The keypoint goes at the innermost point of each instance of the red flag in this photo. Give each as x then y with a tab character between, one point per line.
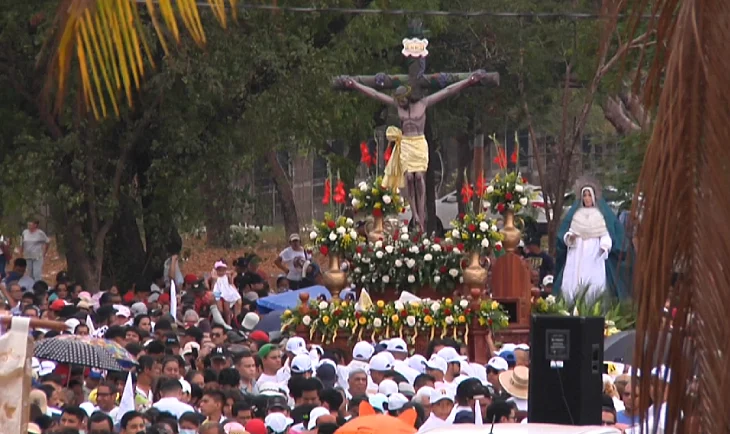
340	194
327	192
466	192
365	156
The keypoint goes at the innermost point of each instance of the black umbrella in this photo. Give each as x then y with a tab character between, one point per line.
76	350
620	348
270	322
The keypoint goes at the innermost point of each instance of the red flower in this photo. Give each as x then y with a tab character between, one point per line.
500	207
388	152
426	311
327	192
403	313
337	312
331	224
501	158
358	315
524	180
415	239
358	249
403	251
314	313
377	212
365	157
472	227
498	247
489	321
340	194
324	250
464	263
467	310
515	156
466	192
508	196
443	270
481	185
461	216
447	311
437	240
460	246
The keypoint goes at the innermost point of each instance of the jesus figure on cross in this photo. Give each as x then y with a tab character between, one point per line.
409	159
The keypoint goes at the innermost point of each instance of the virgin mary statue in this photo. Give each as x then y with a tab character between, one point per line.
591	247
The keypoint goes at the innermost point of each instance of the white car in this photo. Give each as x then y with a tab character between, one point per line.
524	428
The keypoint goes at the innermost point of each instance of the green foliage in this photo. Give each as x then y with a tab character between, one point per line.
621	314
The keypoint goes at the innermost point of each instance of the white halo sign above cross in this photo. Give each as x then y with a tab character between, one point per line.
415	47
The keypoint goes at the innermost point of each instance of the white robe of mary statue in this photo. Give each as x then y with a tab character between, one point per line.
588	250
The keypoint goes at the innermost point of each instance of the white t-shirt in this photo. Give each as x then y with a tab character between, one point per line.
288	256
33	243
173	406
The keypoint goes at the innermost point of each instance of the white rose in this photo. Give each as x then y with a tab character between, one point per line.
398	305
357	270
550	299
483	226
404	229
387	199
411	320
323	305
523	201
342	323
457	251
379	254
449	319
519	188
486	205
333	236
414	249
435	306
341	230
494	228
386	279
389	249
398	263
485	243
313	235
411	278
436	247
378	244
366	260
377	322
490	189
426	242
455	234
355	203
353	235
306	320
464	304
410	263
404	237
436	279
349	222
454	272
427	257
363	186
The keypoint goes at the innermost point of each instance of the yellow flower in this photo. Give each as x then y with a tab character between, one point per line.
495	305
448	302
462	319
464	236
428	319
326	319
378	205
482	321
394	318
415	303
504	322
362	320
343	304
381	303
287	313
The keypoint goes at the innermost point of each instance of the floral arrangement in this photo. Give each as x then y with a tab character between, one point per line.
371	197
335	235
618	316
477	232
507	191
407	262
391	319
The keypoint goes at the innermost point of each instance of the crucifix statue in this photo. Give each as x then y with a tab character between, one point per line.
409	159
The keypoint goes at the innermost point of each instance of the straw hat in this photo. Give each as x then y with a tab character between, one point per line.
516	381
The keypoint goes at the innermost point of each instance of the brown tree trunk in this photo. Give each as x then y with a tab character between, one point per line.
285	193
217	212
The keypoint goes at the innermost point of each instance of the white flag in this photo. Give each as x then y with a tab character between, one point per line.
126	404
477	413
173	300
90	325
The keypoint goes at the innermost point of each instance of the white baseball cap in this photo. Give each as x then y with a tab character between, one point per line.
380	363
296	345
436	363
301	364
498	364
363	351
277	422
416	362
269	388
523	347
122	310
186	387
451	355
388	387
508	347
441	393
548	280
314	415
46	367
396	401
423	392
397	345
378	401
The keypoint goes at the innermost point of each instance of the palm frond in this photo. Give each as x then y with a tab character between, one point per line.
105	42
683	236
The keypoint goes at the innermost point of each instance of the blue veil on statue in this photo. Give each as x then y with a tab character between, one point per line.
619	264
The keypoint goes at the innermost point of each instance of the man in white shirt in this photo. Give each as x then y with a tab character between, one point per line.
34	249
453	364
171	392
287	261
398	348
442	402
271	361
106	398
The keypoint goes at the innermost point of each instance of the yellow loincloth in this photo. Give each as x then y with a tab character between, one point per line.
410	154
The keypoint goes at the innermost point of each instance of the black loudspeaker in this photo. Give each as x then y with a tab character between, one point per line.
566	369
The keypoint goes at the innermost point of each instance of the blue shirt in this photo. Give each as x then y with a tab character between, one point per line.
622	417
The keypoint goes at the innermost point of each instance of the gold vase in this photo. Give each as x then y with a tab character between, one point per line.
511	234
474	275
377	232
334	278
